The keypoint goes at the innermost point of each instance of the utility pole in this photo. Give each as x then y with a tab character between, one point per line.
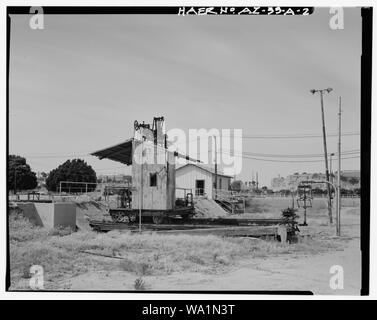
338	204
331	174
215	167
329	206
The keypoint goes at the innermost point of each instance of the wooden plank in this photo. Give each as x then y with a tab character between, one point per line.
237	222
227	231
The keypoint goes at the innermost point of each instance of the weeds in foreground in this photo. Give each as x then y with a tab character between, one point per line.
139	284
140	268
61	252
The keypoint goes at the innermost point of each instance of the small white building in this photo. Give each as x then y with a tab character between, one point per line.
200	179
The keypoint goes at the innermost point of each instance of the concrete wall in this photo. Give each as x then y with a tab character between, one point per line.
65	214
50	215
46	213
29	211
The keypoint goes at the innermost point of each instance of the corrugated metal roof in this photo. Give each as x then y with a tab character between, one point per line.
121	152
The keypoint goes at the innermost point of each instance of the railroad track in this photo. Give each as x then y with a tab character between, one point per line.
220	227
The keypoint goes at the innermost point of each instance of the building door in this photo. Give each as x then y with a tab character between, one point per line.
199	187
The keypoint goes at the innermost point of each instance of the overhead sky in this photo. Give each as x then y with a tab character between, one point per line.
78	85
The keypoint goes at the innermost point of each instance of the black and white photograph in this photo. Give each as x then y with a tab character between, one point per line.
188	149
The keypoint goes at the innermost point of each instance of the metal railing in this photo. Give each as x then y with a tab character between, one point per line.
181	193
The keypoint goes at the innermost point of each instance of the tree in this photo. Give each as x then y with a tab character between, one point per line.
20	176
353	180
237	185
76	170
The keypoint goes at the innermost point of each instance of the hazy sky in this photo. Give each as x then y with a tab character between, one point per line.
78	85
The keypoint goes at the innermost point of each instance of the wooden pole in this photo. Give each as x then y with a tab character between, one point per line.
338	203
215	167
326	160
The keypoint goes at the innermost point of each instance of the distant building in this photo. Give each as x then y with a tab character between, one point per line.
350	179
350	173
201	179
293	180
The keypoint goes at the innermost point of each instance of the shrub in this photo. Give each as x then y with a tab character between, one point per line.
139	284
21	229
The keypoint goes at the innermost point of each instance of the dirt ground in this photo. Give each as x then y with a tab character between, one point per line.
304	266
276	273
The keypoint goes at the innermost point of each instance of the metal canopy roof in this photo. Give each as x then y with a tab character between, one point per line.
121	152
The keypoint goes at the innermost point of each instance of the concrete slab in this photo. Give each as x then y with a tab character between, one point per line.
50	215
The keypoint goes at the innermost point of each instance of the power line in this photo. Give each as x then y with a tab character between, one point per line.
290	136
267	155
288	161
303	136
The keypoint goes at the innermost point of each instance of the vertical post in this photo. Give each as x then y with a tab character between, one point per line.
326	161
331	166
215	167
141	182
338	204
293	198
304	207
331	172
15	183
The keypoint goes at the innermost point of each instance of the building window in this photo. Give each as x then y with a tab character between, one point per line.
153	180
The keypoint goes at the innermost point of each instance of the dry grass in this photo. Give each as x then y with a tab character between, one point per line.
147	254
271	207
30	245
61	253
139	284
